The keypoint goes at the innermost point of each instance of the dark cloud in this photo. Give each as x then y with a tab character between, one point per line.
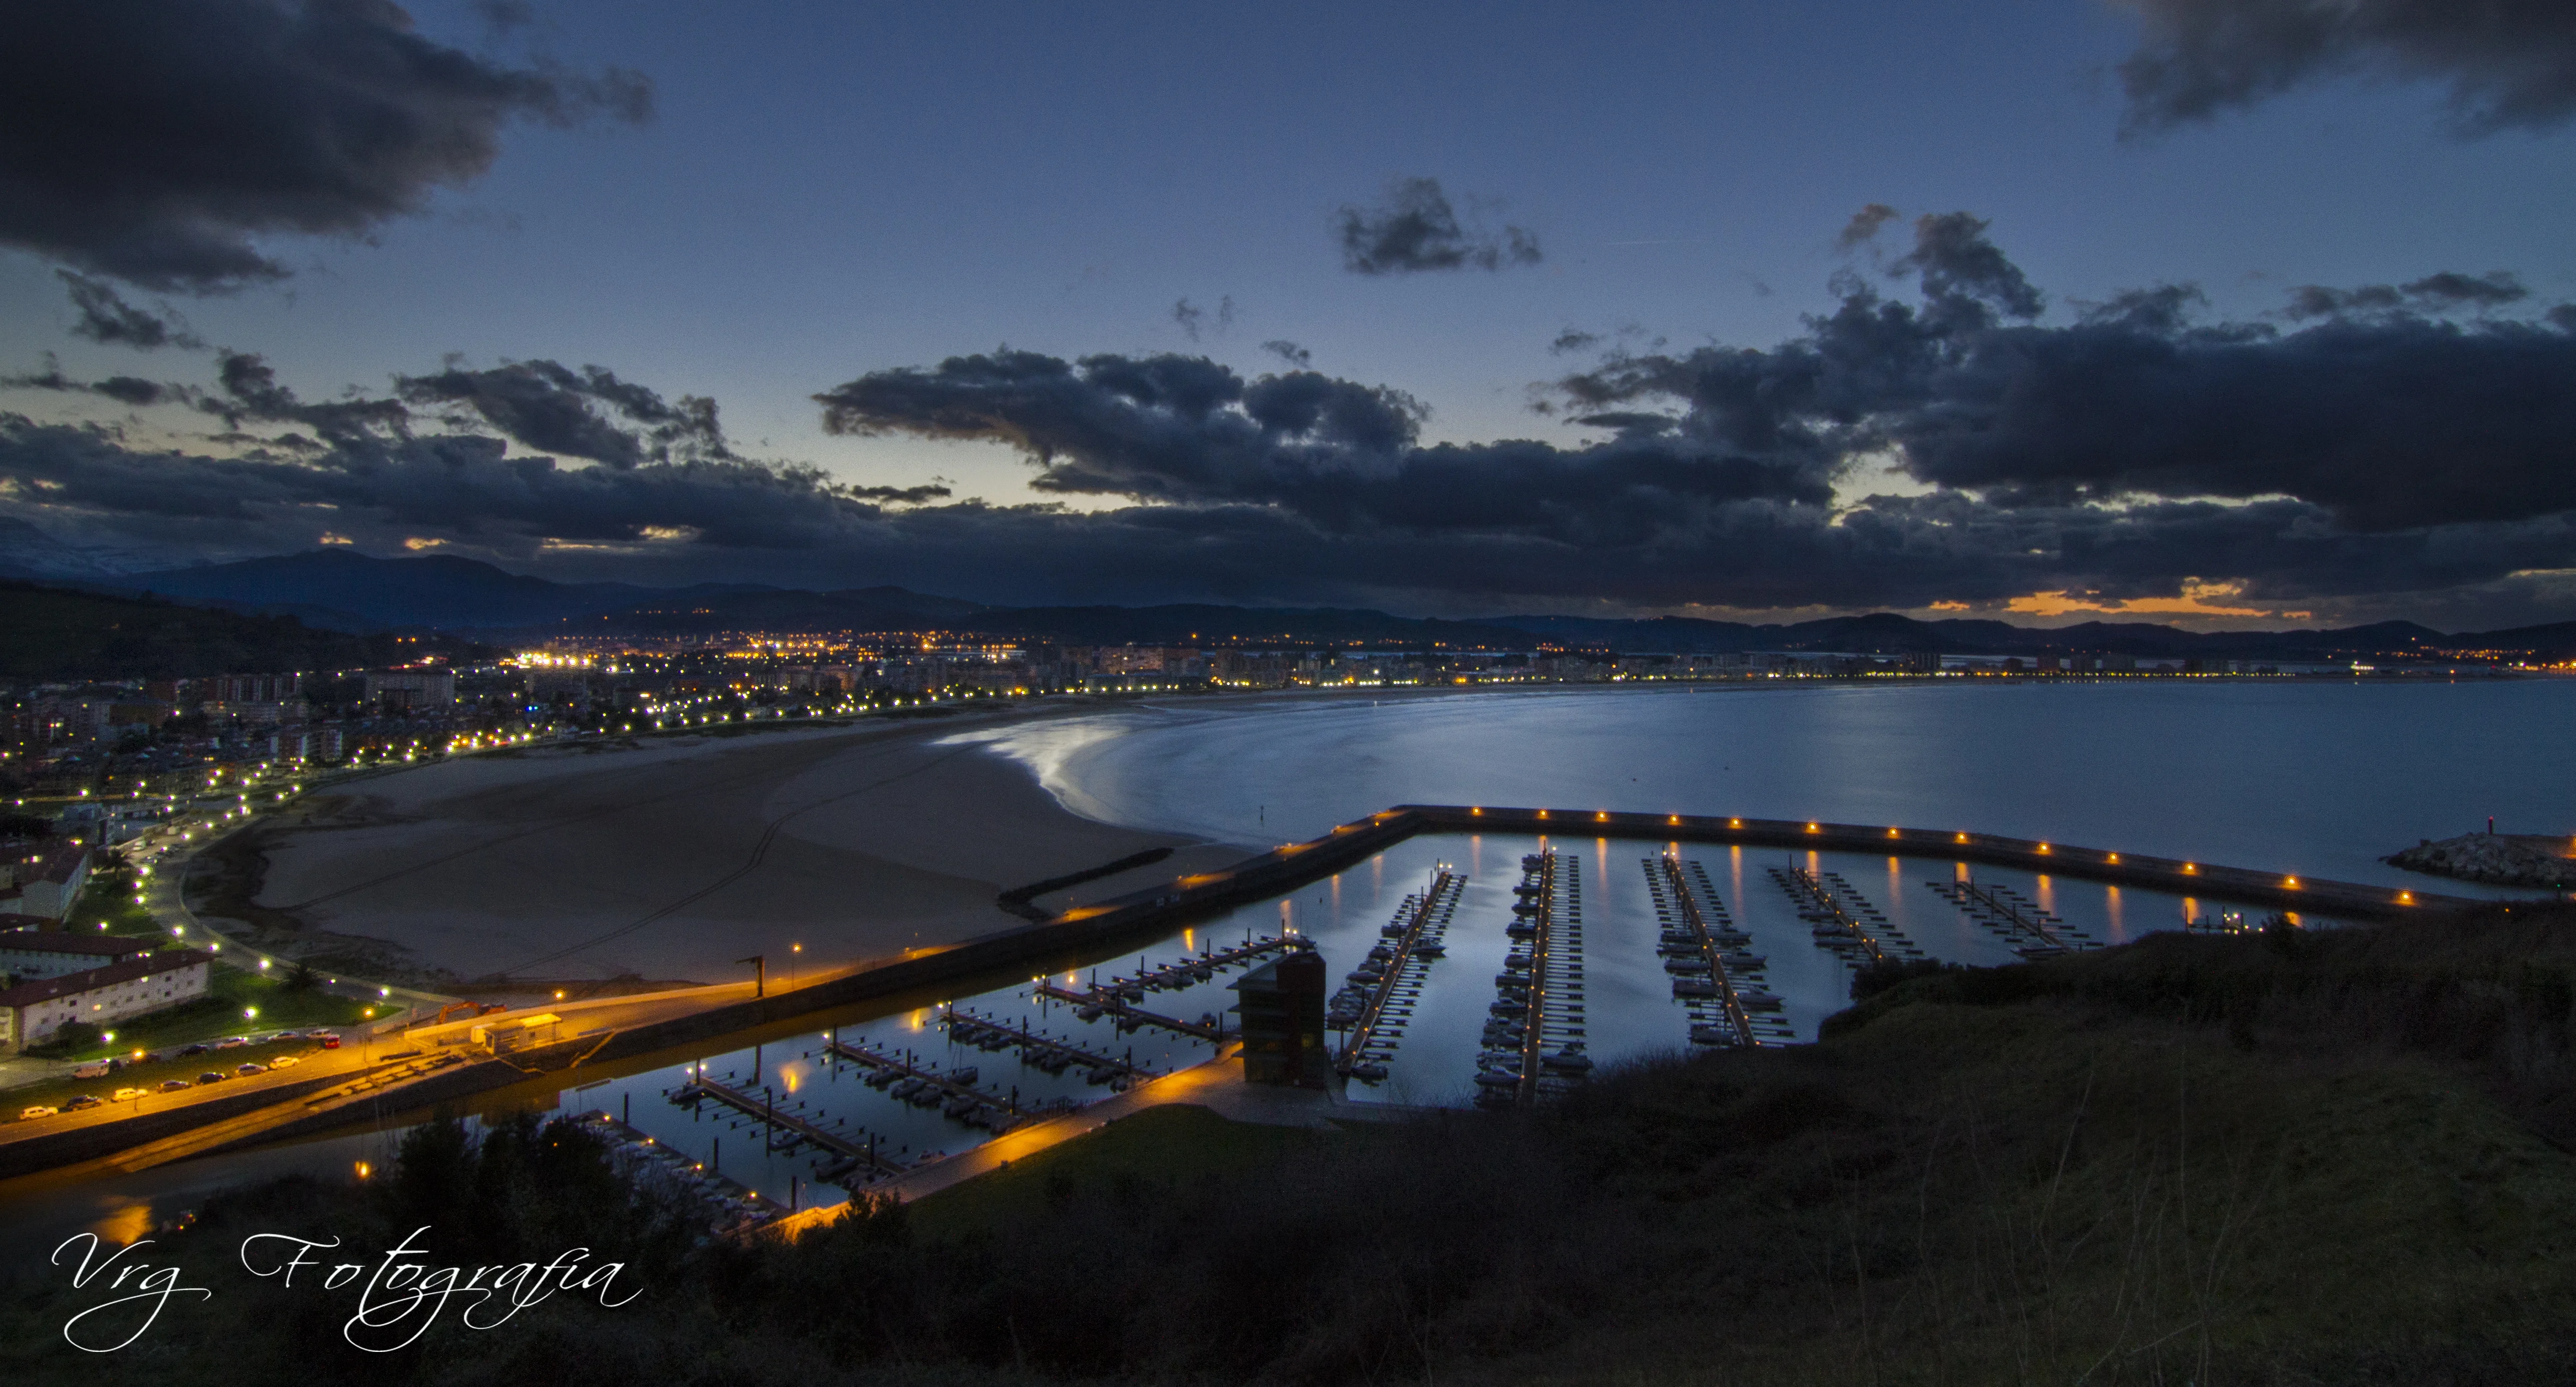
250	391
1289	352
2366	462
1963	274
1185	431
2382	422
2447	291
900	495
1574	340
1415	229
588	413
1190	316
1865	225
132	390
385	489
107	318
2508	63
155	140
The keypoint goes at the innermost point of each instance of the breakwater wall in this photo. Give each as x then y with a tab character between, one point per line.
2252	886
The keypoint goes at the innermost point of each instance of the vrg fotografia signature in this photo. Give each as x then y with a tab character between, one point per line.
399	1295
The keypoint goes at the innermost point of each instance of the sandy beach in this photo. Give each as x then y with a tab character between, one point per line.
667	860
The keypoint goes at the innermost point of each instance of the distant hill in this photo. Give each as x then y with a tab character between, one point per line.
340	589
52	634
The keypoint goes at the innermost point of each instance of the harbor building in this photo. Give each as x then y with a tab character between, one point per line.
33	1012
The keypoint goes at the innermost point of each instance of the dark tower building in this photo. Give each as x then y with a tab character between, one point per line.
1283	1021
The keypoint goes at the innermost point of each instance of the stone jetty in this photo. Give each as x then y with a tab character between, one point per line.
2498	859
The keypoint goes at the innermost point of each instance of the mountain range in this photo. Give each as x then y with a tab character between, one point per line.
341	590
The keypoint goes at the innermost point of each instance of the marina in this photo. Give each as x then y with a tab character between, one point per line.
1589	966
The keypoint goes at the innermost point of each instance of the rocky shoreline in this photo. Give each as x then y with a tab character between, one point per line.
2497	859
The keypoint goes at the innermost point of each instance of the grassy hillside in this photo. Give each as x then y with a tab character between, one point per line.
56	634
2290	1160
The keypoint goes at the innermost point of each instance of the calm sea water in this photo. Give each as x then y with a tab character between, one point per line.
2320	779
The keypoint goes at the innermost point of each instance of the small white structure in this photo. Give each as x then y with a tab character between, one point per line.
32	1012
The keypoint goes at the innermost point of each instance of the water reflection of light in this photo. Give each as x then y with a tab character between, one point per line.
2111	904
2047	896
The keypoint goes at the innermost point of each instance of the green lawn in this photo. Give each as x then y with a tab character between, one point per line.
1160	1146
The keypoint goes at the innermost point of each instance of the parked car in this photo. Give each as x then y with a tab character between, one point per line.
250	1067
150	1057
81	1100
30	1114
213	1076
193	1050
125	1095
232	1042
286	1035
95	1069
174	1085
330	1040
281	1061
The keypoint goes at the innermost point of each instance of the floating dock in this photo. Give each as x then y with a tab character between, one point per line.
853	1155
953	1092
1039	1050
1378	999
1539	993
2033	932
1725	989
1090	1004
1844	920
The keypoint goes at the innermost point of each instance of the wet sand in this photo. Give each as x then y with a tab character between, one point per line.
672	860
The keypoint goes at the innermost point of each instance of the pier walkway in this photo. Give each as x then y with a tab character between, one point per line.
1379	997
953	1092
2033	932
1696	929
1101	1001
764	1109
1844	920
1197	968
1042	1051
1539	993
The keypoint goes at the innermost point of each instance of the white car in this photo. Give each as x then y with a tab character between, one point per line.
31	1114
126	1095
281	1061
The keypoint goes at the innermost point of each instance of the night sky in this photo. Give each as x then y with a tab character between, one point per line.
2231	312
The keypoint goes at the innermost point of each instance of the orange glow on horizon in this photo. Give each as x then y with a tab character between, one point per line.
2198	599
